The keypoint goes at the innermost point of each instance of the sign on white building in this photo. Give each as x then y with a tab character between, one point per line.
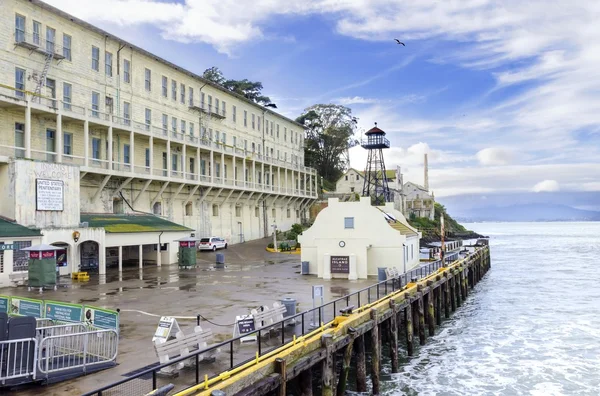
49	195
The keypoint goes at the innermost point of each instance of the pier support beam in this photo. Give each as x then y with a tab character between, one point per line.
375	352
438	305
305	380
393	336
447	298
409	330
361	366
431	312
328	366
341	386
458	289
281	370
421	313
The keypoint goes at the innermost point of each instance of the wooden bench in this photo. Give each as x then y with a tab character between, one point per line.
392	273
266	317
183	345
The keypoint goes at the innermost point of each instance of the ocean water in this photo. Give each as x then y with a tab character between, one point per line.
530	327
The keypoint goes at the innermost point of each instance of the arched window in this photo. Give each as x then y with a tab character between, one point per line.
157	208
189	209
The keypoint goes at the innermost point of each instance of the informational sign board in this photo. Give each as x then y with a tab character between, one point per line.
340	264
244	325
101	318
61	258
166	325
7	246
26	307
317	292
63	311
49	195
4	302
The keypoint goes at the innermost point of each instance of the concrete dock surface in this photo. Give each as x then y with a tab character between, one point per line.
252	277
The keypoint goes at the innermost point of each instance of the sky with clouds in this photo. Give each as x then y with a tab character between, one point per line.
503	95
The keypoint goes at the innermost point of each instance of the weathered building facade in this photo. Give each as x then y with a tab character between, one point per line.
136	133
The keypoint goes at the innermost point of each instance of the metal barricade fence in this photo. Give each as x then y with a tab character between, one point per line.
76	350
17	358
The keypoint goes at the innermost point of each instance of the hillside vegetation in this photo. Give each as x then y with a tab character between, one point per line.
431	228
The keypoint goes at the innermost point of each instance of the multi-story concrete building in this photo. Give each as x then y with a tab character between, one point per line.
140	133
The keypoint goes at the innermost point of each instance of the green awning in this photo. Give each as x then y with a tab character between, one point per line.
10	229
117	224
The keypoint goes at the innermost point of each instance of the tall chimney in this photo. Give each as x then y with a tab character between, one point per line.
426	176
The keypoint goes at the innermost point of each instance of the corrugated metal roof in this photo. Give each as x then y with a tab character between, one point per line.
12	229
116	224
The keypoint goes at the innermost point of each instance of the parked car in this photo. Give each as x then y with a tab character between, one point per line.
212	243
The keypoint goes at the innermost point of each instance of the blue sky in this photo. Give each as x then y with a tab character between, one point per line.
504	96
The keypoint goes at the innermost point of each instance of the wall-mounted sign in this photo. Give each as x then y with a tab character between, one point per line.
4	302
340	264
7	246
49	194
187	244
37	255
102	318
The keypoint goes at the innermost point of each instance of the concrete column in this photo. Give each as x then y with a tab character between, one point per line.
279	179
59	138
141	256
253	174
110	147
262	173
212	166
101	261
183	161
286	180
168	157
28	130
132	150
86	143
327	266
120	258
158	255
151	146
198	162
223	167
244	170
271	177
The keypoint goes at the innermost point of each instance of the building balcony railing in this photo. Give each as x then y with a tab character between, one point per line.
14	96
36	42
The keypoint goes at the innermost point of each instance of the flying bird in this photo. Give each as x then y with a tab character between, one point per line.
400	42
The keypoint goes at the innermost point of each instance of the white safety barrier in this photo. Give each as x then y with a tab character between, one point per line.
183	345
17	359
266	317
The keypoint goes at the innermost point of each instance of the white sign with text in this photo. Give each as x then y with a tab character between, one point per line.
49	194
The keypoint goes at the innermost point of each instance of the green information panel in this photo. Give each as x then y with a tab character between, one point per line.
26	307
101	318
4	301
63	311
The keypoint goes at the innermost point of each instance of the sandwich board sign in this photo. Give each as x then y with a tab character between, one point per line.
166	325
244	326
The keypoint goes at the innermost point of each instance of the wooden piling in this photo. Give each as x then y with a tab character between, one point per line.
341	386
361	366
421	312
328	368
409	330
305	380
458	287
430	313
280	368
393	336
375	352
447	298
438	305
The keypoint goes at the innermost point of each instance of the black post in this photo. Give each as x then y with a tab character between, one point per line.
231	354
197	372
259	344
153	379
282	332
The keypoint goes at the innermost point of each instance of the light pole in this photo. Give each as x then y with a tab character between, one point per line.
274	236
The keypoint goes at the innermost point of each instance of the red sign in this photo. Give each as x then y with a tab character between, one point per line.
36	255
187	244
48	254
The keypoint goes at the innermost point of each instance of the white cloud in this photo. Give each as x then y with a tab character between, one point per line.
546	186
354	100
495	156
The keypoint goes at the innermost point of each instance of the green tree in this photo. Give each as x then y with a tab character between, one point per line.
329	133
251	90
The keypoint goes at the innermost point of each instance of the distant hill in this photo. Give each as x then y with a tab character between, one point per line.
527	212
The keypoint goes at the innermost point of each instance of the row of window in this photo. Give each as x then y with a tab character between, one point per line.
49	42
238	211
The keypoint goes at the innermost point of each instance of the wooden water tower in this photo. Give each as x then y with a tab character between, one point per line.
376	185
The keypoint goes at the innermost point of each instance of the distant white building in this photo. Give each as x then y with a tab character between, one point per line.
352	239
353	180
418	201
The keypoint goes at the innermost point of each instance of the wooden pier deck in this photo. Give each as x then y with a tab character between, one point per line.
413	312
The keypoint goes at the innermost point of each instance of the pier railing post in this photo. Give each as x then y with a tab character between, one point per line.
361	365
394	336
328	367
280	368
375	351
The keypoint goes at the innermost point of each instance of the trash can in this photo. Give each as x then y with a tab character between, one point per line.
290	309
381	275
304	268
220	260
